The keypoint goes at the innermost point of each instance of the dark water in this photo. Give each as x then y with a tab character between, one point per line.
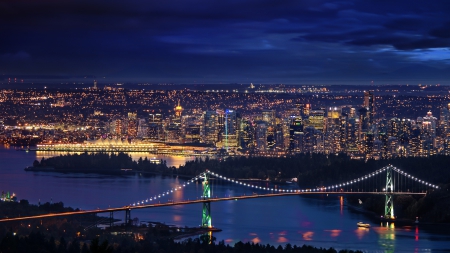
322	222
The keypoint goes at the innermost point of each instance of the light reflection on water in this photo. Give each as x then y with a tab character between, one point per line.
322	222
175	161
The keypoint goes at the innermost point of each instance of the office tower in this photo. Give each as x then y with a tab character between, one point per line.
229	136
210	131
173	133
155	117
269	116
369	104
132	125
306	110
271	138
95	84
316	119
117	127
155	127
444	119
429	125
352	137
142	131
332	131
192	134
309	140
261	135
246	133
296	135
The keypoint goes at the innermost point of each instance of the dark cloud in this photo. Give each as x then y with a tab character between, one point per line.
234	40
441	32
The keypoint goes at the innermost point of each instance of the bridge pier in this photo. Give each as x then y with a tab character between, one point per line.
128	217
111	219
389	202
206	212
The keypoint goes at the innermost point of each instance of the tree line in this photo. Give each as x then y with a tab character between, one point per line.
101	162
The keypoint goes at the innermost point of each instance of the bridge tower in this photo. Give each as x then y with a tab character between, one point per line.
206	213
389	203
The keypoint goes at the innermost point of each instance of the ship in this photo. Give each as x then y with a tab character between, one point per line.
363	225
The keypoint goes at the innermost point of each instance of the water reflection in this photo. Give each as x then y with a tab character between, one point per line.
175	161
361	232
319	221
386	235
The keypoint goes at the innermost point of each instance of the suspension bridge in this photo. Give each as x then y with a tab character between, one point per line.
388	181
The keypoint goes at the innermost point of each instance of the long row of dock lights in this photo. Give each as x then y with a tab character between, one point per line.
284	190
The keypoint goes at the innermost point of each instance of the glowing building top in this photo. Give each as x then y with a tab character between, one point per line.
178	110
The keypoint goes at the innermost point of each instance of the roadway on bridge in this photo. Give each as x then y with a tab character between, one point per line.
187	202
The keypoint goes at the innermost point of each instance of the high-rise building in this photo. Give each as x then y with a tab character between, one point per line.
269	116
229	136
296	135
332	131
261	135
210	131
317	119
246	133
192	134
142	130
444	121
132	125
369	103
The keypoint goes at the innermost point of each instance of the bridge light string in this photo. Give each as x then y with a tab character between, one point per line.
253	186
166	193
317	189
365	177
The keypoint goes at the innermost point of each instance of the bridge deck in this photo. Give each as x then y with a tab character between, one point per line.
187	202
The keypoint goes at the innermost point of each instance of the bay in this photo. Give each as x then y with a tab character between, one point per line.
322	222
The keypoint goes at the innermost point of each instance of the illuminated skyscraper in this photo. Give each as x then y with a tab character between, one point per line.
296	135
210	131
444	120
332	131
369	104
317	119
230	129
269	117
132	125
261	135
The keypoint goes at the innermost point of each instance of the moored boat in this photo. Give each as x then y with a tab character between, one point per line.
363	225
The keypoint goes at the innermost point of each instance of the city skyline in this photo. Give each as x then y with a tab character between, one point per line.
326	42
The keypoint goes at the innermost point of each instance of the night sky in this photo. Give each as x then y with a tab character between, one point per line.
232	41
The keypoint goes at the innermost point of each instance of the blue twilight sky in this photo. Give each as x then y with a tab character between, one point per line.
242	41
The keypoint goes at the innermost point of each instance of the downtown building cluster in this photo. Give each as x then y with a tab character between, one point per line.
358	132
235	123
